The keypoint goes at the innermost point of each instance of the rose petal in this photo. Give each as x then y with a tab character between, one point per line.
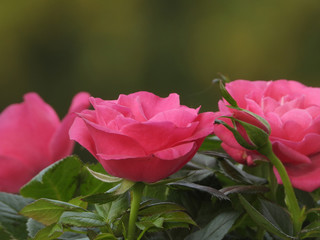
60	145
26	129
155	136
304	176
288	155
152	168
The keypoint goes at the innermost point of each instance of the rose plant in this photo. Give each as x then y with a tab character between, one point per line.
293	112
32	137
152	179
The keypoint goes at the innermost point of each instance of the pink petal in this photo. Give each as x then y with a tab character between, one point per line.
205	126
288	155
26	130
155	136
112	143
151	168
181	117
304	176
14	174
148	103
61	145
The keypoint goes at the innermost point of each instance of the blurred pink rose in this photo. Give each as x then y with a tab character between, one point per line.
142	137
293	112
32	137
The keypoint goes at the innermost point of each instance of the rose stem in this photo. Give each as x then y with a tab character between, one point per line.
290	197
136	195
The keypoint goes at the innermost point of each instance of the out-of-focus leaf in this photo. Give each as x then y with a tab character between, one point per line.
312	230
210	190
217	228
33	227
238	174
105	236
253	189
10	219
82	219
48	211
261	220
58	181
210	143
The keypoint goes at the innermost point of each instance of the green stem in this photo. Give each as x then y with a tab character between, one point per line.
290	197
136	195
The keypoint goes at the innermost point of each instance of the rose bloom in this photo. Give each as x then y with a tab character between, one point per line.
293	112
141	137
32	137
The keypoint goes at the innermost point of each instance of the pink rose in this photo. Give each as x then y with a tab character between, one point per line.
293	112
32	137
141	137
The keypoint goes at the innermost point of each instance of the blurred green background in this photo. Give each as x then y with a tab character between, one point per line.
57	48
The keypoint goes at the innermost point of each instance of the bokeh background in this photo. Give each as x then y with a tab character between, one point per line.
57	48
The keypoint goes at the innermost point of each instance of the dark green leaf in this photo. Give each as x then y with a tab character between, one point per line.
277	215
210	143
261	220
177	217
58	181
152	223
217	228
10	219
33	227
253	189
239	175
312	230
210	190
82	219
48	211
101	198
159	208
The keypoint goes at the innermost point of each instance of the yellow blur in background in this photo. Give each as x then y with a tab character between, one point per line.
57	48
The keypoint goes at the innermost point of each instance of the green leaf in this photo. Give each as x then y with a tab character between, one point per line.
210	143
82	219
105	236
262	220
48	211
112	210
240	139
159	208
104	177
101	198
252	189
33	227
277	215
58	181
152	223
217	228
312	230
177	217
226	95
257	136
10	219
91	185
238	175
210	190
50	232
